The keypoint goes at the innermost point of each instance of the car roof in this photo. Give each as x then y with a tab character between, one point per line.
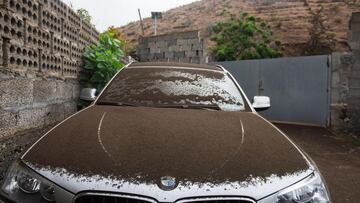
176	65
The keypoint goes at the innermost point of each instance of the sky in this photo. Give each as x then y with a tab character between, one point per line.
106	13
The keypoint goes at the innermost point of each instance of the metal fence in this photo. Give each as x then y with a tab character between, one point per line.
298	86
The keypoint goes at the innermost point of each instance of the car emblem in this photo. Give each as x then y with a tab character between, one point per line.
168	183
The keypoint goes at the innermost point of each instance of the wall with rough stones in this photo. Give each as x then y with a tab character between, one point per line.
345	87
41	45
184	47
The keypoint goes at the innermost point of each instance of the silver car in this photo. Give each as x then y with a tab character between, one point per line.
163	132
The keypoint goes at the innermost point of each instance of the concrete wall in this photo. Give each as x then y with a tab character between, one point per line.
31	103
345	87
41	45
186	47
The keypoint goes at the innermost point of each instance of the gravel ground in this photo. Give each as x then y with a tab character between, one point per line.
338	159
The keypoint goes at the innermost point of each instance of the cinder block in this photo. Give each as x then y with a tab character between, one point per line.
7	120
172	48
335	79
4	3
162	43
355	18
335	95
69	109
172	42
45	91
169	54
355	72
186	47
352	126
197	46
151	44
355	45
337	116
76	91
190	53
194	41
356	54
159	56
196	60
64	91
336	61
54	113
31	118
354	95
16	92
182	42
354	82
143	57
154	50
355	28
179	54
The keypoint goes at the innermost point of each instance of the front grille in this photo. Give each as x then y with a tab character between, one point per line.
107	199
219	200
223	201
110	198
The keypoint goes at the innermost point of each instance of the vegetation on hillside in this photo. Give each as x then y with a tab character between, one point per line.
321	41
244	38
289	20
103	60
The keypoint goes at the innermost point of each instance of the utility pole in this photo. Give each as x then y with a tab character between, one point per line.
155	19
156	16
141	23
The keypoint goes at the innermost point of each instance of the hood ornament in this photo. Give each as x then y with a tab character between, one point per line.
168	183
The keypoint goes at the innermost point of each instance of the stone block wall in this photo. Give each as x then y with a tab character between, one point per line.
345	87
31	103
41	44
185	47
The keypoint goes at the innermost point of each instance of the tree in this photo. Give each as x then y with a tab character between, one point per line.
244	38
320	41
103	60
84	15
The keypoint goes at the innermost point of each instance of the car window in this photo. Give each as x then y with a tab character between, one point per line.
172	87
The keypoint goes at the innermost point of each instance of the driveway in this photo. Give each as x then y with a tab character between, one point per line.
338	159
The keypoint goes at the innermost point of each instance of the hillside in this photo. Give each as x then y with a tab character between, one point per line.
289	19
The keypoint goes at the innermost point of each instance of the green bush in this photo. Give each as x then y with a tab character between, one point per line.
244	38
103	60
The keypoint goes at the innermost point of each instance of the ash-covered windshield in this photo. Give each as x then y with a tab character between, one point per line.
173	87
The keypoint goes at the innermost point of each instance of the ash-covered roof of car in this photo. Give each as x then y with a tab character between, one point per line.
169	65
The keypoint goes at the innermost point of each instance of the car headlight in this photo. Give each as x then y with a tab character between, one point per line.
310	190
21	184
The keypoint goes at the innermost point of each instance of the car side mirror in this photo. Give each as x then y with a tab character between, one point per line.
88	94
261	103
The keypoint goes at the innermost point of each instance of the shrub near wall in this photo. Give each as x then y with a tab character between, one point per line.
41	45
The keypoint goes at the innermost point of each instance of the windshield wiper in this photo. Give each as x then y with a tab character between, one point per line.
192	106
110	103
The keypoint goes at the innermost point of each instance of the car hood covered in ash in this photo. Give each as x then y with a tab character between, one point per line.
130	149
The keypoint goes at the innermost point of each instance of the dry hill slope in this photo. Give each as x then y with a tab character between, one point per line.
289	18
